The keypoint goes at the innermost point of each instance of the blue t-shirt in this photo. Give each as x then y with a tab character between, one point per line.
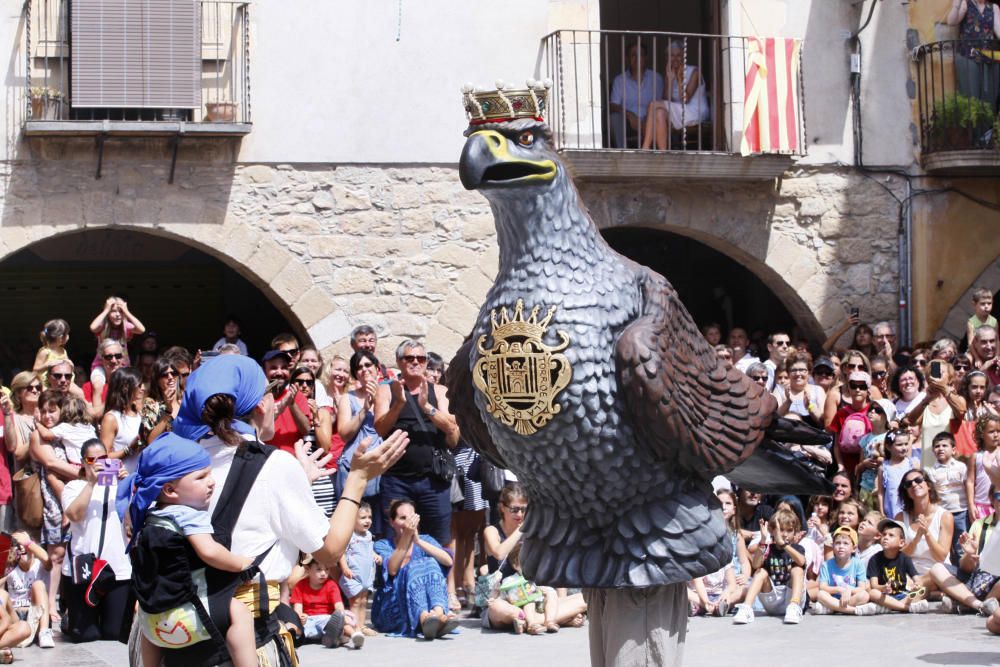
851	576
188	519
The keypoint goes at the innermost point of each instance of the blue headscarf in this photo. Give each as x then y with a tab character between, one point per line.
168	458
230	374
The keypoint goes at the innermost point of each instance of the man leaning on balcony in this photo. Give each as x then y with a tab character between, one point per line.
631	93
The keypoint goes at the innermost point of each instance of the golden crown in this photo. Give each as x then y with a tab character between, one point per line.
508	326
504	104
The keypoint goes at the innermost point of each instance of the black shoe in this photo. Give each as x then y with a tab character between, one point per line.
430	627
333	629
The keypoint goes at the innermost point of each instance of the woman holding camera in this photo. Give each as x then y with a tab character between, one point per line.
940	404
89	505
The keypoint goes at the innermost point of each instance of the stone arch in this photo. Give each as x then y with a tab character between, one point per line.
276	272
954	323
768	274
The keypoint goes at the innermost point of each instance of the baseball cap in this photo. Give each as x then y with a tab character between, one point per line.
887	407
824	362
273	354
889	523
850	532
860	376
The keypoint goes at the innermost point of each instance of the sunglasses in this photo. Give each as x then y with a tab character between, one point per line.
880	374
61	376
782	343
759	378
91	460
919	362
860	386
962	367
109	357
367	364
184	375
913	481
517	509
856	367
292	352
305	383
418	358
169	374
36	388
826	372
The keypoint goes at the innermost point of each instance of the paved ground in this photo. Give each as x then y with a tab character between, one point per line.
931	639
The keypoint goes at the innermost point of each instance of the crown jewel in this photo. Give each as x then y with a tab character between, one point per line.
517	325
504	104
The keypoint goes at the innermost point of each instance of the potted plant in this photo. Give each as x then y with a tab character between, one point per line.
960	122
46	103
220	112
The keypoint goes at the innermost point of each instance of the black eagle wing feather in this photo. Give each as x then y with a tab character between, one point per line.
462	403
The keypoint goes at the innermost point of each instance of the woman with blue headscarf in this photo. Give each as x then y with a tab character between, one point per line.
267	502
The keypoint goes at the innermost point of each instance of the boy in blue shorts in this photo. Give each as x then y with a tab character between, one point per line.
843	585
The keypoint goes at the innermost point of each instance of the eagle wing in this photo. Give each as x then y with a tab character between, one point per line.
684	403
462	403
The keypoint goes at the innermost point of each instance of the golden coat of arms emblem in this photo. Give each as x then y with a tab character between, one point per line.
520	376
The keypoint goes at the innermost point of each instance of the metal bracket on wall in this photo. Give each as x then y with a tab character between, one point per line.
100	139
175	143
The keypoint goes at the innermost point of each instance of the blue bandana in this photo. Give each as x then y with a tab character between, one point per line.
168	458
230	374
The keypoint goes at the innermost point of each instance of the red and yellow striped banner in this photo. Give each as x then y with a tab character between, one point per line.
771	97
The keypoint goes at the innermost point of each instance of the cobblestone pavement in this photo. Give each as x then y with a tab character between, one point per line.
930	639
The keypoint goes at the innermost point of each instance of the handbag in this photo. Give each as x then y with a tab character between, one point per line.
442	462
28	497
92	570
457	488
488	586
491	478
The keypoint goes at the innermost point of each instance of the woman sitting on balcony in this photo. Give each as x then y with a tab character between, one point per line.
684	102
978	24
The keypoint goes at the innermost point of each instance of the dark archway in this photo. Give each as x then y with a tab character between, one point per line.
713	286
181	293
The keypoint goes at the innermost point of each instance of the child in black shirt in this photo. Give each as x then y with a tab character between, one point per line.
781	576
892	575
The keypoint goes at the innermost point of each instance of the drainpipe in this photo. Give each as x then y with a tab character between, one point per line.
905	269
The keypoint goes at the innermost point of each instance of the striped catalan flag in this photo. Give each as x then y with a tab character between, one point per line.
771	97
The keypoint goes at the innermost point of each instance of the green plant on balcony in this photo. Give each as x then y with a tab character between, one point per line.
46	103
959	122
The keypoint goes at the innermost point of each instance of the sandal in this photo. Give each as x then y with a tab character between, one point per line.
430	626
536	629
369	632
6	656
552	626
447	627
453	603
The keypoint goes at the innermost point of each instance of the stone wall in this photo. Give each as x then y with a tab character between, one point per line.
820	239
408	250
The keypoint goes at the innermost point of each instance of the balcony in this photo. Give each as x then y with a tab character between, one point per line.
703	138
117	69
958	113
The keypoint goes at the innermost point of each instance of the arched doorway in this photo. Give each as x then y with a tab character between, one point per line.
178	291
713	286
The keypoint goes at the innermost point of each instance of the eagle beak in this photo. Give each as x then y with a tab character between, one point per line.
486	162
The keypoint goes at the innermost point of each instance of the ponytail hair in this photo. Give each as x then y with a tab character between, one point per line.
53	331
218	415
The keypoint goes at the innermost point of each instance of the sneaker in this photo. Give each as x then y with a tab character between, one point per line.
990	605
867	609
793	614
333	629
45	639
818	609
744	615
948	606
357	640
920	607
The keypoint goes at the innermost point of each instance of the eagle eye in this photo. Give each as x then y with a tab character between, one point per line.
526	138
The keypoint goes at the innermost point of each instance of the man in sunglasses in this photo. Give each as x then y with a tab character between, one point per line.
288	344
420	408
60	378
779	344
292	415
112	358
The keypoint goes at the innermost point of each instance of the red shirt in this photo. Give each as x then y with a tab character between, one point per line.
316	602
286	433
5	484
88	392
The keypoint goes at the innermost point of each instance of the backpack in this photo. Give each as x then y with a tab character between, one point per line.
855	427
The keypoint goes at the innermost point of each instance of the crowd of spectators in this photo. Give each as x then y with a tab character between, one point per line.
422	540
80	438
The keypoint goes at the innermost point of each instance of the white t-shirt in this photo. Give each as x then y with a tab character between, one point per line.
949	480
73	436
86	534
902	406
19	582
280	510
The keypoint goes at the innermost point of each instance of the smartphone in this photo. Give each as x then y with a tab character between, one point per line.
936	369
109	472
855	311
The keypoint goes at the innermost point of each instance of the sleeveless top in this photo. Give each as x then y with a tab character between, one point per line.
367	430
492	563
424	437
128	430
977	28
931	425
921	556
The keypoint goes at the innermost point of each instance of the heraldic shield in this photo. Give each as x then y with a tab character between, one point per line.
520	376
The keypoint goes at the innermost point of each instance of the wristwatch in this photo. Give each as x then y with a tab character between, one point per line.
432	411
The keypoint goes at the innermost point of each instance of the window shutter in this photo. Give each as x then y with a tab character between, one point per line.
136	53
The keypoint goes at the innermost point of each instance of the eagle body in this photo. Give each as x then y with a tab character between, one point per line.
618	479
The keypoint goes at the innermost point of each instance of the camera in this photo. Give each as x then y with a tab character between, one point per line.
109	472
